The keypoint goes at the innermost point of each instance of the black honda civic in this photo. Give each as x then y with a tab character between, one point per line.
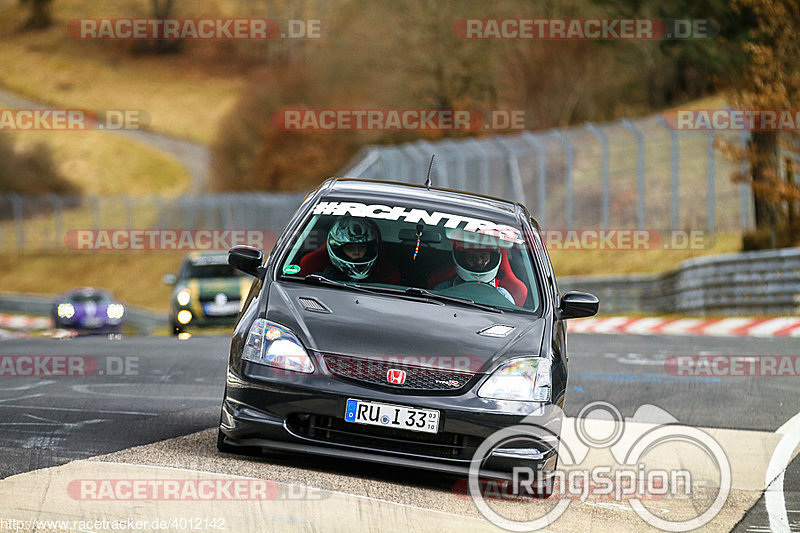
401	324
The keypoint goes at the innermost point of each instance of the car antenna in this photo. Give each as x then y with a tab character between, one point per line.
428	177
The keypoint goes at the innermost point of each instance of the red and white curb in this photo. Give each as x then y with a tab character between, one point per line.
8	334
25	321
716	327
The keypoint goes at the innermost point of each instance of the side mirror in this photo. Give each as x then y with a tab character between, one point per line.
576	304
246	258
170	279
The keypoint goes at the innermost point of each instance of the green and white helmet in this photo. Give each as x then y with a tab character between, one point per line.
350	230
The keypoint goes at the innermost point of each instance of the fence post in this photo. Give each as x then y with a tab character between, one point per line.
513	169
459	163
94	202
58	220
675	167
412	155
19	220
570	151
639	171
541	176
606	171
129	216
483	164
159	208
710	206
744	216
372	156
226	212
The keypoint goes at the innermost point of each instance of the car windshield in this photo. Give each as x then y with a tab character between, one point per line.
93	297
425	253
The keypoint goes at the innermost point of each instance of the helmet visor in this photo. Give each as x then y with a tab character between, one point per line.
477	260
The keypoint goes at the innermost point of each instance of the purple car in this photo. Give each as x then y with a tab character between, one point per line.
88	310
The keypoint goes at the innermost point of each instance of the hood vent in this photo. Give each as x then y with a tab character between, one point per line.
311	304
498	330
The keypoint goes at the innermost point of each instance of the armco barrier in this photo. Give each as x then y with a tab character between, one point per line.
764	282
142	319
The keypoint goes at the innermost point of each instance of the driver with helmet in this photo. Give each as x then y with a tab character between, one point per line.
475	262
353	249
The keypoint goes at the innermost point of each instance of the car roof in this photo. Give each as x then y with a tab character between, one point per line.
194	256
380	191
87	291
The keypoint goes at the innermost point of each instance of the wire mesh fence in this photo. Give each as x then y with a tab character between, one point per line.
625	174
617	175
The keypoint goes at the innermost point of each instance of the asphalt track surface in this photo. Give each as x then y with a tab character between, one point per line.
173	388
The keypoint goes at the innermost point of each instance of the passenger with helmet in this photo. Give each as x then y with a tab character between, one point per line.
475	261
353	249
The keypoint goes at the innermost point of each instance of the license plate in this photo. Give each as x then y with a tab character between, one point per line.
229	308
393	416
92	322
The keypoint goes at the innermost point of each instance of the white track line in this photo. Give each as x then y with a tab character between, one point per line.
781	457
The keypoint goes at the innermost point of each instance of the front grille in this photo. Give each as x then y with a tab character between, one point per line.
376	372
337	431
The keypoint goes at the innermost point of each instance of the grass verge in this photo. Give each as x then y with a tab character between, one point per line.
102	163
610	262
133	277
182	98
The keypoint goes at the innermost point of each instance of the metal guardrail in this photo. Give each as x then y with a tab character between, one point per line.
143	320
764	282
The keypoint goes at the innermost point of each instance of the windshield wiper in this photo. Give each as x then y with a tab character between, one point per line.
424	292
322	280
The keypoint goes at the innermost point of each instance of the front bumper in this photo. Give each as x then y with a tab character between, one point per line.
305	413
201	320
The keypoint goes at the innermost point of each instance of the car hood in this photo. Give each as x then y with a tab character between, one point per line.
387	327
89	310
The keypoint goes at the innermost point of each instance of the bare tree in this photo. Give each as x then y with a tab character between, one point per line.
771	81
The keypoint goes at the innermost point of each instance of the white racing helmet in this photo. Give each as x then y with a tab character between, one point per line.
467	245
350	230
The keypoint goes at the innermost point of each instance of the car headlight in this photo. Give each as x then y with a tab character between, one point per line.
184	316
184	297
275	345
115	311
66	310
520	379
